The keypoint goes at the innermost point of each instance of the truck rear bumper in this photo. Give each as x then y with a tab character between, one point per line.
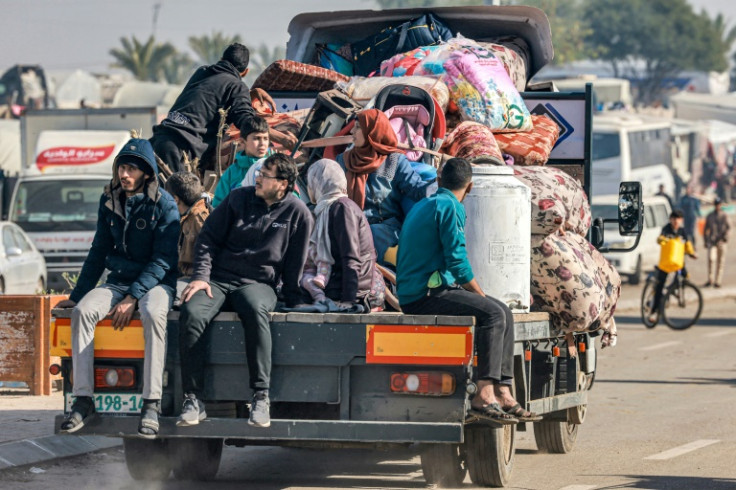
284	430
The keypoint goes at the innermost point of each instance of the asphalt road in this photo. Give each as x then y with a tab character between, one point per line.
661	416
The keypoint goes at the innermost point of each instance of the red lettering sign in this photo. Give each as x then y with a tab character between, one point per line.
73	155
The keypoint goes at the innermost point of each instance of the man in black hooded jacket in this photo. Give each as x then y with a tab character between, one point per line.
191	124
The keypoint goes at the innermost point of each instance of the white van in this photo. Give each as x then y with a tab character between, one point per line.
634	264
629	148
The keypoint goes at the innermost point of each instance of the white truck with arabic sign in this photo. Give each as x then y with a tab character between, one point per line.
66	160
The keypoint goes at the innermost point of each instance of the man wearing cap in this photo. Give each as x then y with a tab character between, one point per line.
136	240
715	235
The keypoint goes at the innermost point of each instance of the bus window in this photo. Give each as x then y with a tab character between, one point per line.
606	145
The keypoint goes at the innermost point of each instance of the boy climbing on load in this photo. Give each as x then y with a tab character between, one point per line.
256	141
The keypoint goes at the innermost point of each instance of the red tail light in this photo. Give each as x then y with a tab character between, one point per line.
54	369
114	377
424	383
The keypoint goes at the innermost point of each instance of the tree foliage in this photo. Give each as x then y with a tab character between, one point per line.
260	58
209	49
653	40
146	61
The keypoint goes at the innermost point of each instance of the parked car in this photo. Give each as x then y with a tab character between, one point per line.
22	267
643	259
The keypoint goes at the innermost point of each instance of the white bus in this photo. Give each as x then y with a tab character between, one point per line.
630	148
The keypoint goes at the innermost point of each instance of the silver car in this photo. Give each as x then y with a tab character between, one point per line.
22	267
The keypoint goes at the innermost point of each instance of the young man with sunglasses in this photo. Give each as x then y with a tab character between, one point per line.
255	238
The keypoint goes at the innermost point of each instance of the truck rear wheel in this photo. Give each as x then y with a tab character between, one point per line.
556	436
490	454
195	459
147	460
443	465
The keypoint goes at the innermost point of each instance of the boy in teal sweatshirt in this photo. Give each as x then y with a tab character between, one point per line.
434	277
256	147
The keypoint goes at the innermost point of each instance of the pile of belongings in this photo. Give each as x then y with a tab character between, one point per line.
461	97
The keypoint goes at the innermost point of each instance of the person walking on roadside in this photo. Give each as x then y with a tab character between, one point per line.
690	206
715	234
434	277
255	239
136	240
192	123
662	193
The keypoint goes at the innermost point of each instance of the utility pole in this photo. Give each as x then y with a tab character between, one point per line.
156	9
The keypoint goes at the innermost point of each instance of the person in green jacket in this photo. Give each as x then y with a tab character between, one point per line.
434	277
256	148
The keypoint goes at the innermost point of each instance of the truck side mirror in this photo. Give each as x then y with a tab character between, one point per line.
630	209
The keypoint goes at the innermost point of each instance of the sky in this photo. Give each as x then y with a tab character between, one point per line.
65	35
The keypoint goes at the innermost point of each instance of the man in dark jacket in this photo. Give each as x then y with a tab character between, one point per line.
255	238
192	123
136	240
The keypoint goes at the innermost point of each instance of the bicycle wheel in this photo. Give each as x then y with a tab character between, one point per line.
647	298
682	306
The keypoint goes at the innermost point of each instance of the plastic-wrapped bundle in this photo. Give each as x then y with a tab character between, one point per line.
572	281
478	82
557	200
362	89
513	62
534	146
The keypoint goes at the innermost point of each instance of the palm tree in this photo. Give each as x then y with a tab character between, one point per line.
209	49
261	58
145	61
178	68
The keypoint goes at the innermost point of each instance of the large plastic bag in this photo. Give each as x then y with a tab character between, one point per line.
478	82
558	200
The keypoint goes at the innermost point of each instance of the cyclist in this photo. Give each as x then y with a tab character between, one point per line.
674	229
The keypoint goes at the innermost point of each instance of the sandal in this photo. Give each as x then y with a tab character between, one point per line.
148	425
82	411
495	413
521	414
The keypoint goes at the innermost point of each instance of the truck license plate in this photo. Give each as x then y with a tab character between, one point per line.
111	402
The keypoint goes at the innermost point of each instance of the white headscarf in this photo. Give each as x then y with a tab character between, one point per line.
326	183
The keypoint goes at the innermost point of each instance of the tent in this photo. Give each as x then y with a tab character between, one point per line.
10	146
77	87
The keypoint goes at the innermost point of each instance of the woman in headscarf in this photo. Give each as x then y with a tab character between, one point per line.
379	178
341	259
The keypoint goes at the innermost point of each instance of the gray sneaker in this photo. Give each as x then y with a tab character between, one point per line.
260	410
192	411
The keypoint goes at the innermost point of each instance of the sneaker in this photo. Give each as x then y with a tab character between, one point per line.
717	285
192	411
708	284
82	411
260	409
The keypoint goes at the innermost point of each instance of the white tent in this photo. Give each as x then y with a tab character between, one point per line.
147	94
704	106
77	87
10	146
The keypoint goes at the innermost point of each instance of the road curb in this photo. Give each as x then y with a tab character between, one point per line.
42	449
709	294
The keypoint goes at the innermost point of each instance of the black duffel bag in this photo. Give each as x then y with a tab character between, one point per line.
422	31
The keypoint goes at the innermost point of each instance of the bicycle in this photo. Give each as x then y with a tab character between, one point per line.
681	303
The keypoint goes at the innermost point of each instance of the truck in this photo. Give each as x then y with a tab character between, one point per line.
66	161
364	380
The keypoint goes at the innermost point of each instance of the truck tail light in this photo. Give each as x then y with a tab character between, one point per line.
54	369
424	383
114	377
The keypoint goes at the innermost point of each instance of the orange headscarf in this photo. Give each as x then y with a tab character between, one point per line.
380	141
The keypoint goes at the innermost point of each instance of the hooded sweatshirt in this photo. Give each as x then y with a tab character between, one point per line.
233	176
136	237
194	117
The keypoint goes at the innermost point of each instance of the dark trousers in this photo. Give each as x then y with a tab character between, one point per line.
494	328
661	277
252	303
169	149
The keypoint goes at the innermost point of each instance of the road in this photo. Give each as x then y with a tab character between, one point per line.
661	416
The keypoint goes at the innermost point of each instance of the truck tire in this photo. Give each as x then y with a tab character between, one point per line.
147	460
555	436
195	459
490	454
443	465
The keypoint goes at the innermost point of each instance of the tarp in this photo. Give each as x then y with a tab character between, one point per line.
147	94
10	146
